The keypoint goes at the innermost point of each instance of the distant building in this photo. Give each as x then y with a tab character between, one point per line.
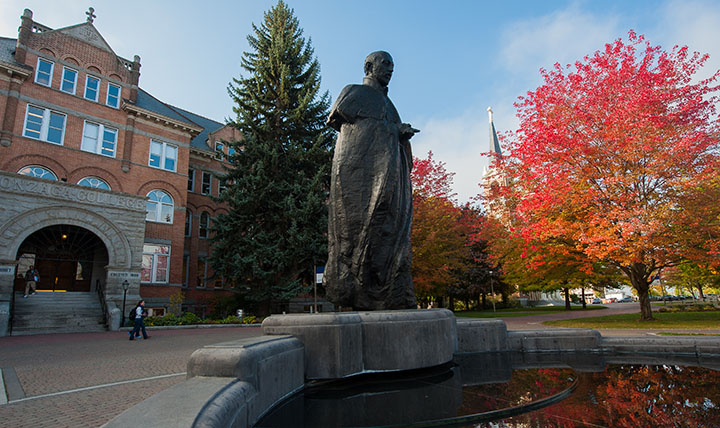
101	183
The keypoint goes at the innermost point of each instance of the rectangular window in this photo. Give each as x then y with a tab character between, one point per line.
206	183
44	124
186	270
92	88
188	223
44	72
204	226
113	96
155	263
222	186
191	180
202	272
162	155
95	133
219	153
69	80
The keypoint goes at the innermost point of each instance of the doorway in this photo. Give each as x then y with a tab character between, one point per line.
68	258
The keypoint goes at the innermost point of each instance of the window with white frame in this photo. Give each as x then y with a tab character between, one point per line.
186	270
100	139
188	223
69	80
38	171
155	263
92	88
222	186
44	72
206	183
159	207
191	180
94	182
163	155
44	124
231	153
219	150
113	95
202	272
204	228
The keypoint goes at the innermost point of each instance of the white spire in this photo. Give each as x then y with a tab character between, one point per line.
490	114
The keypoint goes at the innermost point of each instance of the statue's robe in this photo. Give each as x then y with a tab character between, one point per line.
370	206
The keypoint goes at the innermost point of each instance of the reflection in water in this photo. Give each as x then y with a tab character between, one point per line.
634	396
507	389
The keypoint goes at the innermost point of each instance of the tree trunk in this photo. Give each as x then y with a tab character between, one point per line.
484	301
451	304
639	278
567	299
584	303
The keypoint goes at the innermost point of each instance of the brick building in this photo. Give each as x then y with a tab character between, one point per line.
102	186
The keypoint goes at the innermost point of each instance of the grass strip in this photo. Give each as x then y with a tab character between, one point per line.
521	312
671	320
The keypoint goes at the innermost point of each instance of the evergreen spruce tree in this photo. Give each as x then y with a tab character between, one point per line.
275	231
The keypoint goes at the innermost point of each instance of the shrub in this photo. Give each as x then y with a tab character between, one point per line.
189	318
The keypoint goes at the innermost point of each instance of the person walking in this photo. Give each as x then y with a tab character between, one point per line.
139	324
32	276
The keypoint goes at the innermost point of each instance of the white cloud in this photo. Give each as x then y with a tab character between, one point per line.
563	36
695	24
459	142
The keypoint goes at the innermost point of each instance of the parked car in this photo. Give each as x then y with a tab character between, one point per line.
597	301
627	299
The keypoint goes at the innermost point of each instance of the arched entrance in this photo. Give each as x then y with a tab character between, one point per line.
69	258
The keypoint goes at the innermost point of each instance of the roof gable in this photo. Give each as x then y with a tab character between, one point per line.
88	34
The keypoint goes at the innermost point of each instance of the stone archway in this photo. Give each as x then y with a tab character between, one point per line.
14	232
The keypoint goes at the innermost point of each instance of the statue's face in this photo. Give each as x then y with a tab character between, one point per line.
383	69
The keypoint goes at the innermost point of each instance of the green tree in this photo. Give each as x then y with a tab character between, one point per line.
275	230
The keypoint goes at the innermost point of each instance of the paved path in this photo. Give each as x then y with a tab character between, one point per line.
111	373
84	380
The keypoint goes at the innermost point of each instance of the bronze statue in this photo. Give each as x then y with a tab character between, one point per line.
369	254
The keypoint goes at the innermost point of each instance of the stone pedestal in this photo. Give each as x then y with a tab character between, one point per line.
345	344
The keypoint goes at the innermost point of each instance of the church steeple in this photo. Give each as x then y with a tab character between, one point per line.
494	141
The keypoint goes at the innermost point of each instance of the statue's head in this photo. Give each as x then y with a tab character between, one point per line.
379	65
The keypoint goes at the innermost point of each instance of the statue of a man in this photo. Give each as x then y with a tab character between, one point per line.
369	255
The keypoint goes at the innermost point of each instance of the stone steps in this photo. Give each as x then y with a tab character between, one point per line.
44	313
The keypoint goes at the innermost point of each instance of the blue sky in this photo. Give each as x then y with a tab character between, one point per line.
453	59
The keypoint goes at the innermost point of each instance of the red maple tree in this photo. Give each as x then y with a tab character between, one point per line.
438	232
616	157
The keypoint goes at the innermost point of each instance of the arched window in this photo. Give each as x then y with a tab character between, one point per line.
94	182
159	207
39	172
204	224
188	222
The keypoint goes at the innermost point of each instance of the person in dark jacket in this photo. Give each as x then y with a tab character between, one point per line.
32	276
139	324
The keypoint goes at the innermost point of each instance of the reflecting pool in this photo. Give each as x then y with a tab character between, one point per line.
517	390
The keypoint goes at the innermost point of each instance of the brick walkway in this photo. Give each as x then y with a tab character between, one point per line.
47	364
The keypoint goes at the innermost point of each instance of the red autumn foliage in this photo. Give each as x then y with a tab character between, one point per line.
616	158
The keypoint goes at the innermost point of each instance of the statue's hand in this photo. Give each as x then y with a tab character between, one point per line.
407	131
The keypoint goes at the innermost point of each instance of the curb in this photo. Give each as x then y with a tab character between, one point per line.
182	327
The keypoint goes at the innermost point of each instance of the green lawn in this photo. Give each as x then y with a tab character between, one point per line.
521	312
688	320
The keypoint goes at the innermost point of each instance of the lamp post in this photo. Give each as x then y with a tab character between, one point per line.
492	290
125	286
